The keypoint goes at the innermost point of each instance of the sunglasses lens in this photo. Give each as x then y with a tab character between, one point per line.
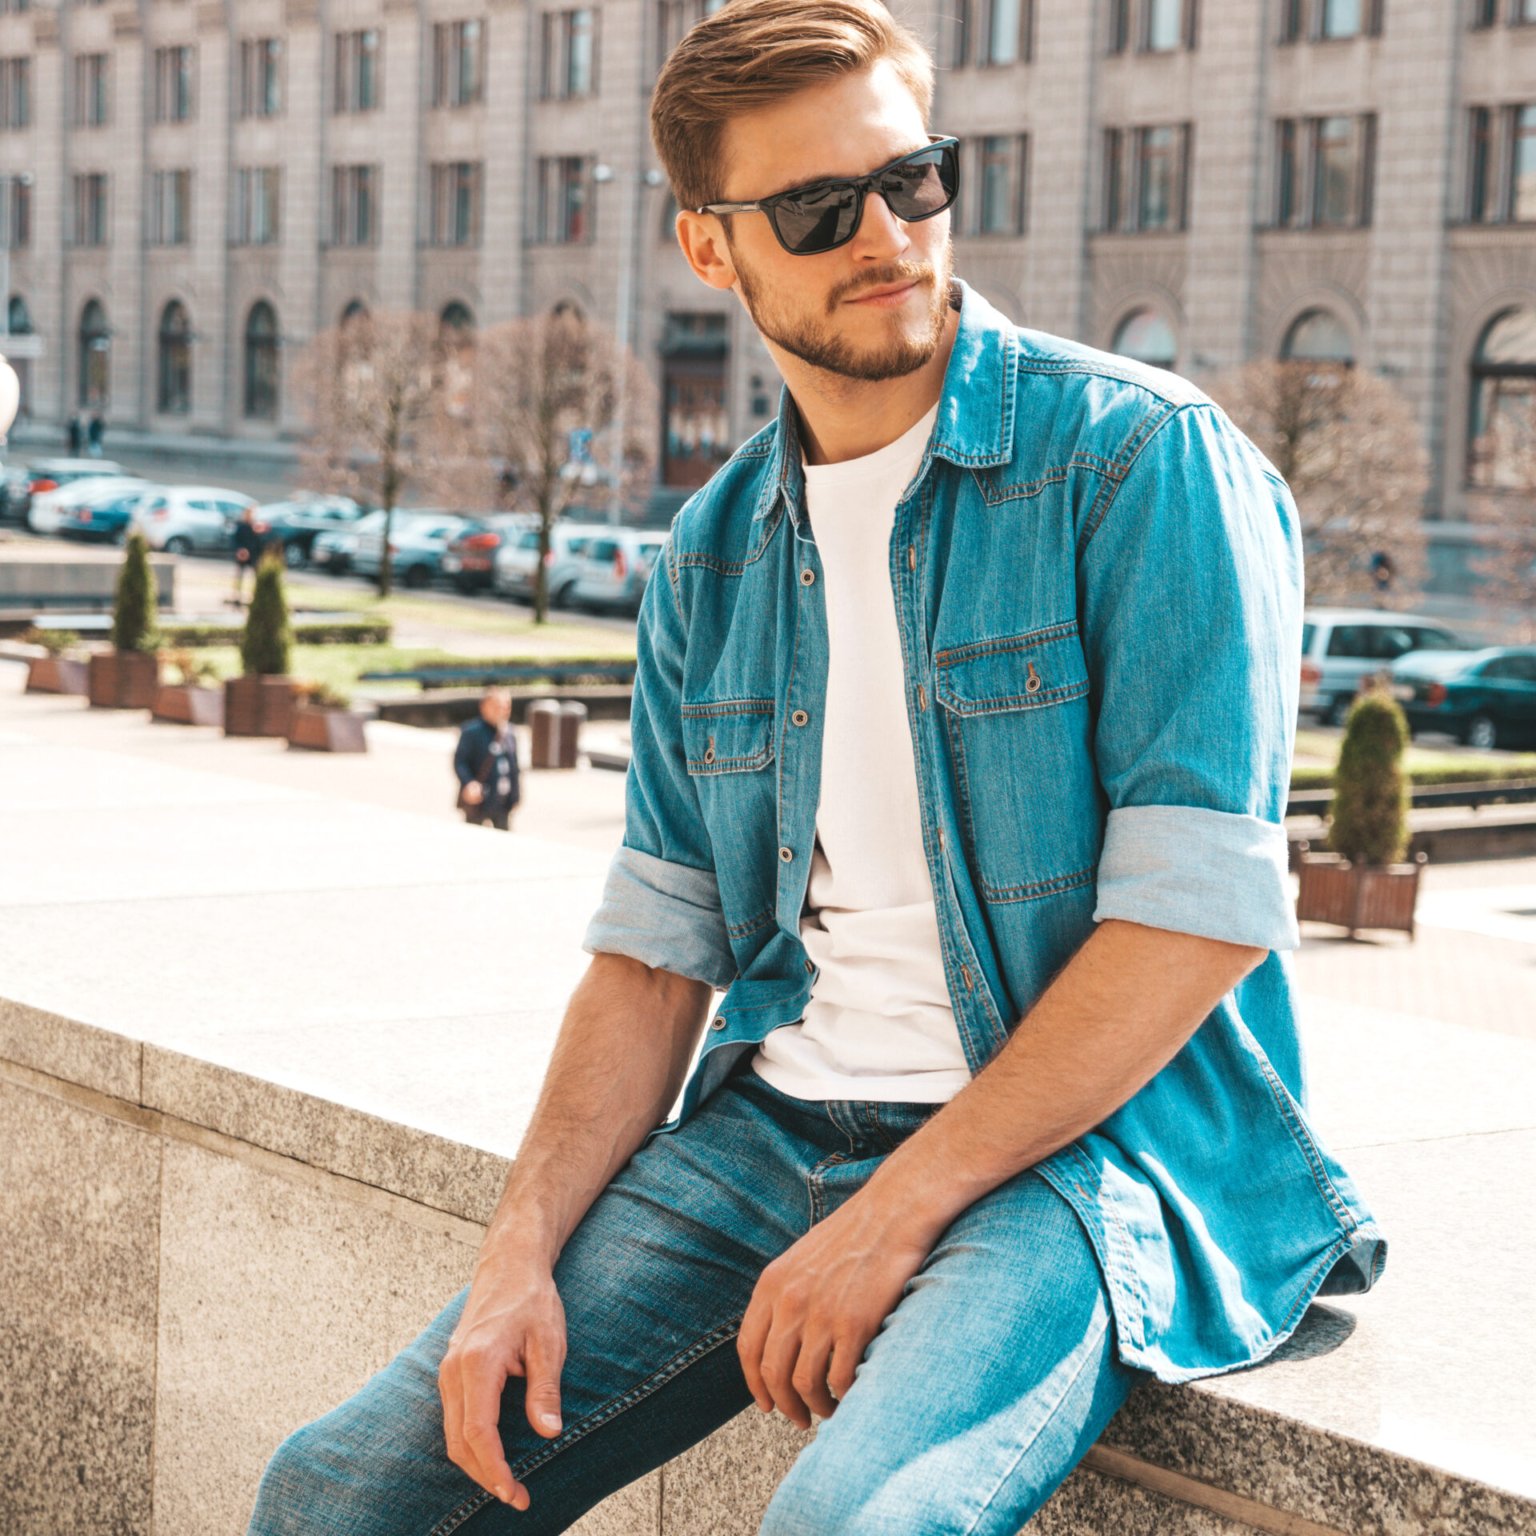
922	186
815	220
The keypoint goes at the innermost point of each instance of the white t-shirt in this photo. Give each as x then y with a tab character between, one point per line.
879	1023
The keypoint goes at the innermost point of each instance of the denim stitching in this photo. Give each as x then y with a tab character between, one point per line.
749	925
1307	1147
813	1183
456	1517
1024	642
1034	890
699	769
1012	703
1146	429
710	709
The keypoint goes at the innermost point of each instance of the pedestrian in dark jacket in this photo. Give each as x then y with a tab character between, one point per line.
93	432
76	435
250	539
486	764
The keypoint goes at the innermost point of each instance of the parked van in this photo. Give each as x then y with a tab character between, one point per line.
1341	647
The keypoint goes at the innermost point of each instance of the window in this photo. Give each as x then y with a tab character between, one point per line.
1522	178
93	107
354	204
1002	163
674	17
1485	13
356	71
261	363
173	85
14	7
1007	36
15	93
90	209
564	200
1324	172
455	193
568	58
174	394
1146	176
1480	166
257	208
1119	25
94	357
1319	336
458	78
956	34
1168	25
18	225
1302	20
1501	437
1293	20
261	77
1146	335
1288	200
1341	18
1337	160
1524	12
170	207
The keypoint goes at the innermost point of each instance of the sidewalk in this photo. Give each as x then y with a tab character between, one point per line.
272	1022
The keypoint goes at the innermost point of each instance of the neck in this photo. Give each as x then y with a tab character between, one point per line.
843	418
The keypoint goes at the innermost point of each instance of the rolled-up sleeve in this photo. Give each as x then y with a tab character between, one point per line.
1191	592
661	903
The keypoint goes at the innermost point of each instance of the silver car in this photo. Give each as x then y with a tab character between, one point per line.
1341	647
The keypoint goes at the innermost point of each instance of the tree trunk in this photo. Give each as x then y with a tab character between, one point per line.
386	557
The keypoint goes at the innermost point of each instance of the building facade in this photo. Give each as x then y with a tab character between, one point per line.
190	189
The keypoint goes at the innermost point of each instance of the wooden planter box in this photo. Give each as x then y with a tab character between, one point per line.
124	679
1356	896
326	730
55	674
182	704
258	706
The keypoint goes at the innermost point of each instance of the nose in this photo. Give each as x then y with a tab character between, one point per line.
881	236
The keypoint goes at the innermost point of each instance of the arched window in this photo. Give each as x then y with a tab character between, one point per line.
174	392
457	317
1147	337
1318	336
1501	436
356	310
95	357
19	316
456	337
261	363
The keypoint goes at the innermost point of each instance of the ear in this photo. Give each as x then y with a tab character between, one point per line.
704	247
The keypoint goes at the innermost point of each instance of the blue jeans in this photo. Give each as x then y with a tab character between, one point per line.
982	1390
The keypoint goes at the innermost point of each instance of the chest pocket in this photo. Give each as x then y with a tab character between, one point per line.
728	751
1017	717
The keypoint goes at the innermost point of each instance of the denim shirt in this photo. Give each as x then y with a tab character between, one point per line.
1097	582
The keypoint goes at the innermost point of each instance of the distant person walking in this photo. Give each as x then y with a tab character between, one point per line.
76	435
250	538
486	764
93	431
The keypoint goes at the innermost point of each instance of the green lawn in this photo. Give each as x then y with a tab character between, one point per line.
1318	751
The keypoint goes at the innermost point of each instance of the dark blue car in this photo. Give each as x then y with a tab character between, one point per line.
1485	698
105	518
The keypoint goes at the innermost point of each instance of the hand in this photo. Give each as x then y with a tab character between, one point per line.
817	1306
474	793
512	1325
242	555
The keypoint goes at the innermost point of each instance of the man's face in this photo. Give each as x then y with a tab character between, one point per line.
876	307
496	708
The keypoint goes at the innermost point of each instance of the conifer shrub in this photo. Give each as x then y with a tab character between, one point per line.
266	645
1368	818
133	608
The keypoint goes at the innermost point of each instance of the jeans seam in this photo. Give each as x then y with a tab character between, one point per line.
1024	1449
456	1517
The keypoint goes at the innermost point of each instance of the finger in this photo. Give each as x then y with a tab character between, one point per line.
749	1349
780	1356
482	1384
810	1376
541	1401
841	1373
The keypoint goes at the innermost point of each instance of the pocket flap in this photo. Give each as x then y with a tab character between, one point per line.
1027	671
728	736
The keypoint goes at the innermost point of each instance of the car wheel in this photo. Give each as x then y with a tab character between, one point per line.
1482	733
178	545
295	556
561	597
417	576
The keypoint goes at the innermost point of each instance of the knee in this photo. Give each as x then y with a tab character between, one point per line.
301	1483
807	1504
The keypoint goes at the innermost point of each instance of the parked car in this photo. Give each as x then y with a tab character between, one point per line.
298	522
418	540
47	475
613	568
1341	647
55	511
470	559
1485	698
332	552
517	561
184	518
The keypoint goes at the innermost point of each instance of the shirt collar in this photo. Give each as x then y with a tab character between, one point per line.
974	428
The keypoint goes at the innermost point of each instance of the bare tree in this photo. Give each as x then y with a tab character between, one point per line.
1348	446
1506	560
376	394
551	398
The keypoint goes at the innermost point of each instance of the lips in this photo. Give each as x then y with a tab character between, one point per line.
888	291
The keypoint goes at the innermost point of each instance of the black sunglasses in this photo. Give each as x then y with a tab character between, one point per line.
826	214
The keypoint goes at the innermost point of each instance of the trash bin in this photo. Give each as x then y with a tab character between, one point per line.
543	732
569	734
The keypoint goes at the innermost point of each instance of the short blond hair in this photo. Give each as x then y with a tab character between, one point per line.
752	53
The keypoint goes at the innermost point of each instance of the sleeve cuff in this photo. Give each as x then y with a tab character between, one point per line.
1211	873
664	915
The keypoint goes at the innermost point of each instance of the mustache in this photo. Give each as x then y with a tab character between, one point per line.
885	277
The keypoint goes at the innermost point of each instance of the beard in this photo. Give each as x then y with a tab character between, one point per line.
814	341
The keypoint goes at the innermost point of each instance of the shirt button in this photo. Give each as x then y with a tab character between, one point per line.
807	577
941	839
719	1022
786	854
810	966
800	717
922	697
911	557
965	976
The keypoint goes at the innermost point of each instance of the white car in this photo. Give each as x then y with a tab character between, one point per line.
418	540
50	510
182	518
517	561
613	568
332	552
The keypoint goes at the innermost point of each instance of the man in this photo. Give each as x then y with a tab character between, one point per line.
250	538
961	741
485	762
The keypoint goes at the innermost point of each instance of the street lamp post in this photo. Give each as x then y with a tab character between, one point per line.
623	325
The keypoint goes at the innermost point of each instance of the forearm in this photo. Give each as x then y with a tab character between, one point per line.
618	1065
1116	1015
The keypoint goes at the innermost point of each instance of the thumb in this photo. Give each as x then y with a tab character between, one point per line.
542	1399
